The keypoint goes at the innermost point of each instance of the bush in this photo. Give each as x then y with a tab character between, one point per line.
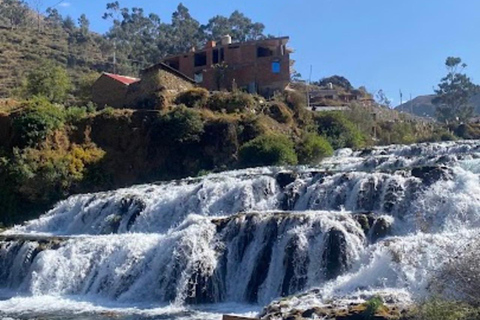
372	306
268	150
279	111
75	114
182	125
339	131
193	98
438	309
37	121
49	81
313	148
231	101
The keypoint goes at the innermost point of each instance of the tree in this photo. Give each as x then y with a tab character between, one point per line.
454	93
337	81
68	24
54	19
382	99
185	32
84	25
240	27
49	81
15	12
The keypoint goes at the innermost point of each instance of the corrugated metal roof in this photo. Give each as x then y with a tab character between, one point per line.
123	79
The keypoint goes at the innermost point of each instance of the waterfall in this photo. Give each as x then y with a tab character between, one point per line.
359	222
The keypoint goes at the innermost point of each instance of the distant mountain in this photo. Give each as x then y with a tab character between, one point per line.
422	106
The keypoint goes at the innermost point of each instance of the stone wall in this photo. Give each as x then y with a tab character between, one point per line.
156	90
109	92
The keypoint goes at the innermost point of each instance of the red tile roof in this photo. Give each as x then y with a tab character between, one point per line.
123	79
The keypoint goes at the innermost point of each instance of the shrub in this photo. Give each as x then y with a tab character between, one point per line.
193	98
268	150
37	121
231	101
438	309
372	306
49	81
74	114
279	111
182	125
313	148
339	131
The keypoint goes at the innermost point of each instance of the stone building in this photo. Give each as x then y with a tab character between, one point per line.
111	90
261	66
157	85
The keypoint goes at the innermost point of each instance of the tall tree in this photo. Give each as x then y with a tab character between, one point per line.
84	25
454	93
185	31
53	19
238	26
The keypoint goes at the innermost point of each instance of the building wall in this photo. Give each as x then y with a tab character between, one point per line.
156	89
109	92
244	69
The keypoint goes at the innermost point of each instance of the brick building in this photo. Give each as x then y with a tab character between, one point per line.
261	66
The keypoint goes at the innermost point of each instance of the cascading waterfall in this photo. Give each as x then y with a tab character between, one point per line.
366	221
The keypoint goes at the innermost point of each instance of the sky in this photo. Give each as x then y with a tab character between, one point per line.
391	45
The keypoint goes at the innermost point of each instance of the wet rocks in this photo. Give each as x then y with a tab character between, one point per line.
335	311
285	178
375	228
335	254
431	174
380	229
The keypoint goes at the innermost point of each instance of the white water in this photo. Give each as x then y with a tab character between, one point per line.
235	241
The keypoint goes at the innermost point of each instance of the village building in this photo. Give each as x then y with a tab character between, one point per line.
260	66
111	90
157	85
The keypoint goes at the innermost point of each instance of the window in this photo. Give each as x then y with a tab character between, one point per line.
264	52
198	77
276	67
200	59
218	55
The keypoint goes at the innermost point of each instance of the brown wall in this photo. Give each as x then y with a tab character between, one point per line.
243	66
155	89
109	92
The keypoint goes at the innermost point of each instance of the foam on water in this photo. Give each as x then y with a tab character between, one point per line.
188	249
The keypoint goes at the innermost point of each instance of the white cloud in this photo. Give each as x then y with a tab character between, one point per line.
65	4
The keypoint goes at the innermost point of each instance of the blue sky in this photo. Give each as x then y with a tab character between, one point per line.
381	44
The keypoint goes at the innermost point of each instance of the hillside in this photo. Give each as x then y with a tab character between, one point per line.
23	49
422	106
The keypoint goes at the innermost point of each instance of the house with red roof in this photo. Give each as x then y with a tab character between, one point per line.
156	87
111	90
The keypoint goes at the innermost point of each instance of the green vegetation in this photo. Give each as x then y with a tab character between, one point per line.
39	119
439	309
268	150
454	93
49	81
340	132
313	148
372	306
193	98
231	102
182	125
